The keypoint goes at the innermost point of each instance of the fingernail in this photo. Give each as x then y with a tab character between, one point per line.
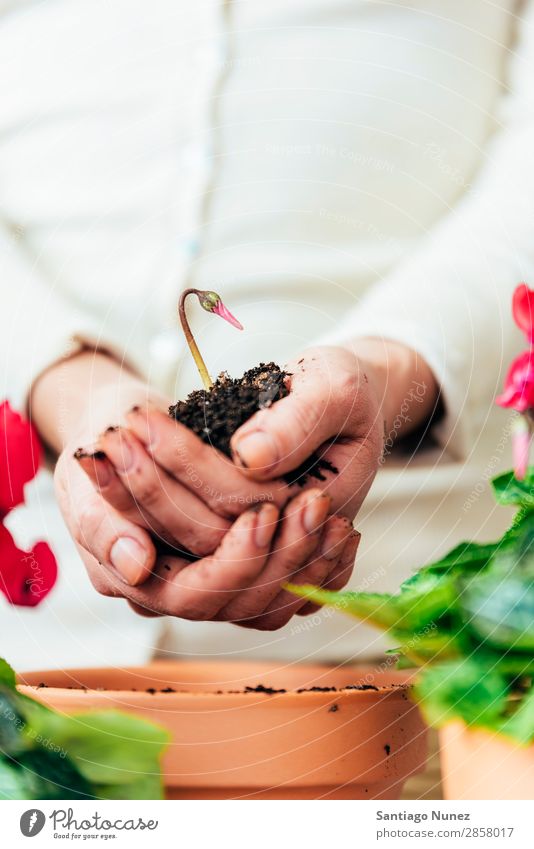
335	538
351	548
95	464
256	449
263	529
315	513
129	559
144	425
124	456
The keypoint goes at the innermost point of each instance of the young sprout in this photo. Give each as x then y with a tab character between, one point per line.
211	302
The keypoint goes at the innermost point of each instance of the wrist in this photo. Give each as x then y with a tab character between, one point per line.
406	389
81	396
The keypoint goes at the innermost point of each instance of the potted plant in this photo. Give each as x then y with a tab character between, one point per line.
467	622
255	730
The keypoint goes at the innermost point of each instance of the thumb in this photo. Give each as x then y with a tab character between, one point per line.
278	439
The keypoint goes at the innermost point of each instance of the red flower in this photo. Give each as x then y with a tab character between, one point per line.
19	457
519	384
523	310
26	577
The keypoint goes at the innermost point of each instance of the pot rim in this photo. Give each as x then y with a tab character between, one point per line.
390	690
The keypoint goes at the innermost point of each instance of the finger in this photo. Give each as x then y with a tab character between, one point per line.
120	545
335	537
143	611
183	517
103	579
322	403
296	540
100	471
199	590
102	474
356	462
340	576
200	467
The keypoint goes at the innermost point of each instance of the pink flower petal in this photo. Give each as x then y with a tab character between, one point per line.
19	457
26	577
225	313
521	438
523	310
518	391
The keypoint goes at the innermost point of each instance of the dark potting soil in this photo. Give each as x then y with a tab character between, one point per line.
259	688
216	414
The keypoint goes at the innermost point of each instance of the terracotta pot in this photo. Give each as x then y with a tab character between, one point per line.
228	743
479	765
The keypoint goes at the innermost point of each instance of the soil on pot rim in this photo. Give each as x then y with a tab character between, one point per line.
216	414
258	688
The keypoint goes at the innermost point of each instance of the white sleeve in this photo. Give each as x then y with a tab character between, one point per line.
451	300
39	324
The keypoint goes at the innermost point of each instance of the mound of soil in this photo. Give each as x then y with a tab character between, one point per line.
215	415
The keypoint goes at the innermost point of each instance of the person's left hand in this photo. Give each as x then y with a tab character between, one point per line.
334	410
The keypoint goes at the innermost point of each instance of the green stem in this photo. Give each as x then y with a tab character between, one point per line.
193	347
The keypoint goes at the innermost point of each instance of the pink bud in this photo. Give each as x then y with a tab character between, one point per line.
521	447
225	313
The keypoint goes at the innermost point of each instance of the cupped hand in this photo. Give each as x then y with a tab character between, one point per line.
333	409
240	582
159	475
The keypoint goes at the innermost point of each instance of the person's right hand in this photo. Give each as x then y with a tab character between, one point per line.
122	507
240	582
158	474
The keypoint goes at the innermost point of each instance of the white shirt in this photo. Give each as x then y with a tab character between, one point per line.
332	168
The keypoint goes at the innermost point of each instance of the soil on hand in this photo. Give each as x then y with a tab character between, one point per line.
216	414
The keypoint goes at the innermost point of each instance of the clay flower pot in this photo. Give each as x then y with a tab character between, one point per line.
232	742
477	764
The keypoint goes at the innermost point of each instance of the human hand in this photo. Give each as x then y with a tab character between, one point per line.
333	410
158	474
143	472
342	405
240	582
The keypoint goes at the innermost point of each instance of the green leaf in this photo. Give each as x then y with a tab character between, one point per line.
144	787
49	775
12	781
109	748
12	723
521	725
428	645
405	663
117	755
517	554
414	608
467	556
374	608
461	689
509	490
500	611
7	674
